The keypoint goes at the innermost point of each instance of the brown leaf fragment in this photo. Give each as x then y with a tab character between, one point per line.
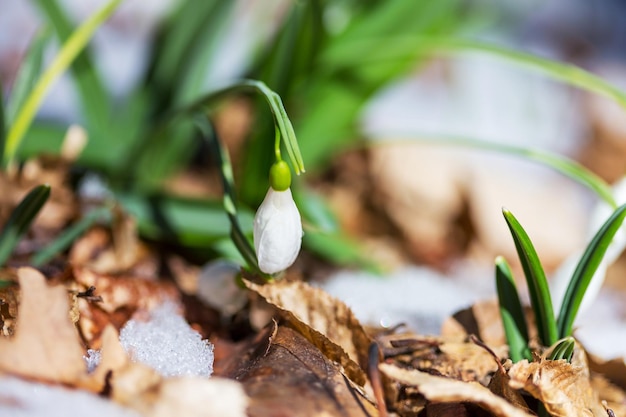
483	320
611	396
46	345
564	388
292	377
438	389
324	320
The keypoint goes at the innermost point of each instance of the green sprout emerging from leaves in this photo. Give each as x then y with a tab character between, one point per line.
550	329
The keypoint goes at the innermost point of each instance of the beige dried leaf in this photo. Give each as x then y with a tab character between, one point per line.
445	390
324	320
46	345
564	388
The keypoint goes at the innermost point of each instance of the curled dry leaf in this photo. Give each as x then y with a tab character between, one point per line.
285	375
121	297
564	388
324	320
46	345
460	360
440	389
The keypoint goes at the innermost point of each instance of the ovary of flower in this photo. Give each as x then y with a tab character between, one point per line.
277	231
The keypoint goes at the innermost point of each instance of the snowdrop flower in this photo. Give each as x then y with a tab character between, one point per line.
277	225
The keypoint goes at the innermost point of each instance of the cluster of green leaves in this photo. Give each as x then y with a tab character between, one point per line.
550	329
324	62
137	143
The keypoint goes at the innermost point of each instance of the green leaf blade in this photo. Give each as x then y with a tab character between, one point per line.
586	269
512	313
536	280
21	219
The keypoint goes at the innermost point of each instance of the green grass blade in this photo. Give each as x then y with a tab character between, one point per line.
340	250
21	219
95	103
193	223
585	270
561	164
69	235
512	313
536	280
364	51
563	350
28	73
71	48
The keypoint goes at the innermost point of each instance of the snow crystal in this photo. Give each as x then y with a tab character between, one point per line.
21	398
166	343
92	359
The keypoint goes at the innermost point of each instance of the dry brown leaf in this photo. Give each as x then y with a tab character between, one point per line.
284	374
614	370
324	320
198	397
440	389
121	297
483	320
564	388
614	396
114	252
46	345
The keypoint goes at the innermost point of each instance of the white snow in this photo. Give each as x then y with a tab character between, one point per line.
418	296
92	359
19	398
166	343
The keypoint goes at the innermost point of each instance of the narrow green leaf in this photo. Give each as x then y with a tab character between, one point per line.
536	281
512	313
21	219
95	103
585	270
69	235
70	49
561	164
28	73
564	349
193	223
340	249
367	51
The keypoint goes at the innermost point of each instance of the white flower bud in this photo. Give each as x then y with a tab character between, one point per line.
277	231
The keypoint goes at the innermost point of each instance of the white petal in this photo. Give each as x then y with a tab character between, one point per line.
277	232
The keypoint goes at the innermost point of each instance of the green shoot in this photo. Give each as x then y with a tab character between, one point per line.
21	219
512	313
70	234
70	49
564	349
585	270
536	280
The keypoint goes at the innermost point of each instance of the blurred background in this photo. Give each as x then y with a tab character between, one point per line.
372	100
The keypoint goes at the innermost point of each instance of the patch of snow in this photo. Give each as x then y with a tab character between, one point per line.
420	297
92	359
166	343
19	398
